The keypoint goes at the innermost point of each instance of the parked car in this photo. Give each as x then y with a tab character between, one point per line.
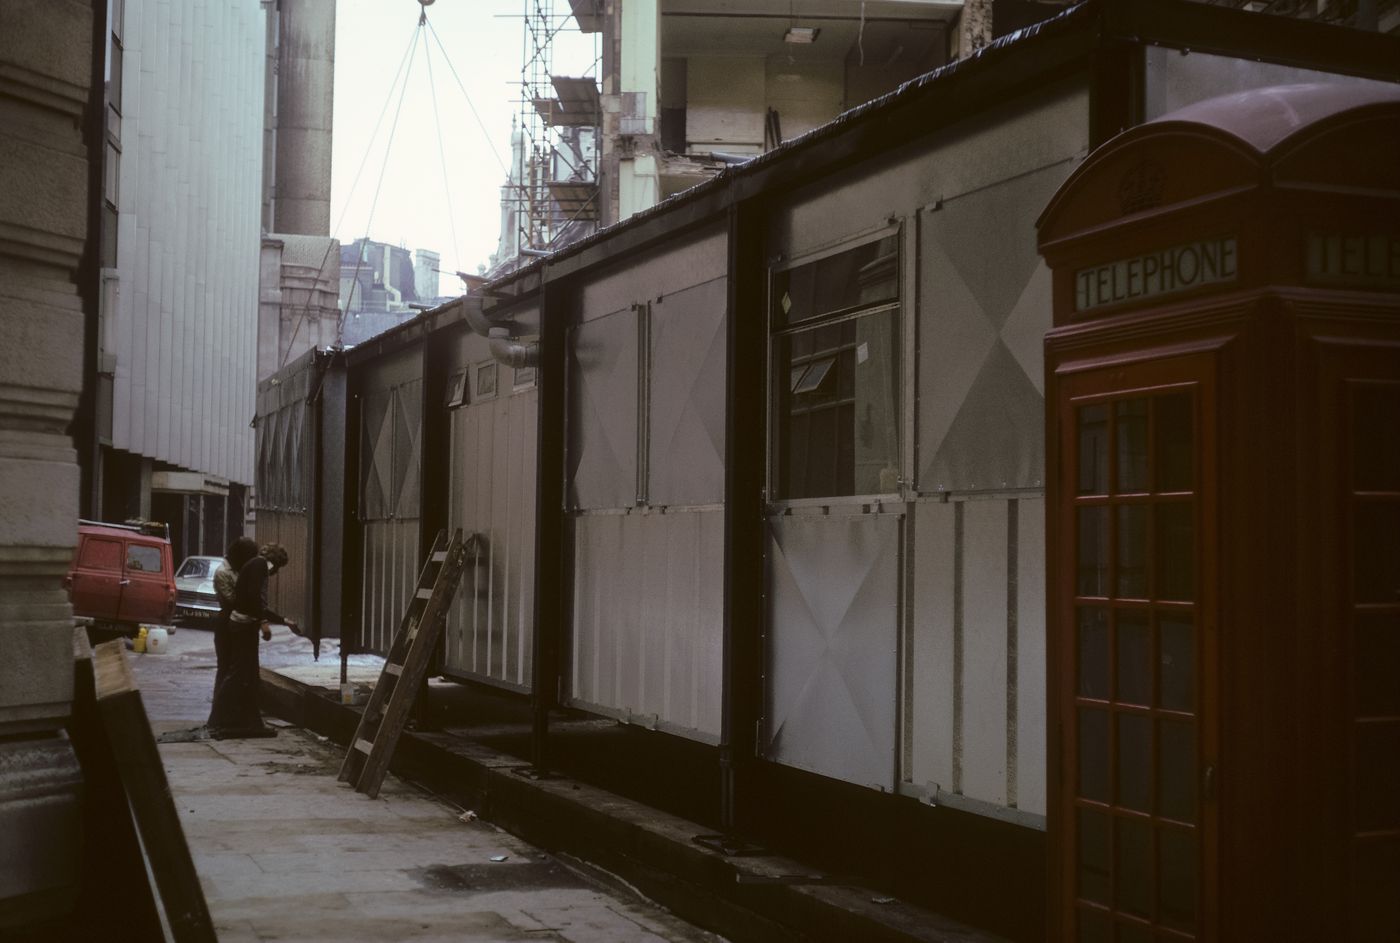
196	603
122	575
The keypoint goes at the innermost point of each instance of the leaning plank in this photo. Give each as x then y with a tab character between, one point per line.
110	845
148	792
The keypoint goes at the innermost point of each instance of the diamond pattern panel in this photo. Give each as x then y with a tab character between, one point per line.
985	310
687	397
408	428
377	451
603	426
831	646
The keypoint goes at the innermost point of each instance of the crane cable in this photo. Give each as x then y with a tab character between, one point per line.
442	152
379	185
405	60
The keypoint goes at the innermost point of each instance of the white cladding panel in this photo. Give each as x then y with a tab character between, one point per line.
831	645
388	578
984	631
975	717
657	274
685	410
931	649
647	619
1030	657
490	627
996	146
184	329
984	308
603	412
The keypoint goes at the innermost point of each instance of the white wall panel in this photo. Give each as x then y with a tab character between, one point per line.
931	647
975	711
490	627
184	330
1030	656
997	145
831	646
984	596
650	276
648	619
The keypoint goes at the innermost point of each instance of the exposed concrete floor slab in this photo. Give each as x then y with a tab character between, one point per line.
286	852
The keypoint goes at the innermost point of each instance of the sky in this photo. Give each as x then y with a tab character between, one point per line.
457	214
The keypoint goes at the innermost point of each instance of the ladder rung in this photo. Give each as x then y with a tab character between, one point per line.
424	593
439	557
393	669
364	746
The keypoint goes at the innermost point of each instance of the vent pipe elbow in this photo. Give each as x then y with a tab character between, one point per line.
513	353
504	348
475	317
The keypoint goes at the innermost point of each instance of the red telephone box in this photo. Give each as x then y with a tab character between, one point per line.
1223	423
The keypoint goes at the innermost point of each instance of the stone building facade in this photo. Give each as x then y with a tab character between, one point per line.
45	83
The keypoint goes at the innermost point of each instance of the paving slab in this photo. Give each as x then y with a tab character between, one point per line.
285	852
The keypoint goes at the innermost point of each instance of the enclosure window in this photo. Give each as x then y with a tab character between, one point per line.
836	374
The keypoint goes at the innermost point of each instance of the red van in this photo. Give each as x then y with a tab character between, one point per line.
122	574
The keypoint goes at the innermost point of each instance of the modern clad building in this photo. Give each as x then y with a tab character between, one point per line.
178	331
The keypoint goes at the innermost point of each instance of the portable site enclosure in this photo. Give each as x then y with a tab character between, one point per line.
444	436
300	490
768	473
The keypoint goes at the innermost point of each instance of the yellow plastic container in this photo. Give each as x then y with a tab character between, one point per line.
139	645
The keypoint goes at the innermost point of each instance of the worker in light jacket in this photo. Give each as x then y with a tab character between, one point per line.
235	713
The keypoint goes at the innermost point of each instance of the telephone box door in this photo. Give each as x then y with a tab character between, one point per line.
1134	643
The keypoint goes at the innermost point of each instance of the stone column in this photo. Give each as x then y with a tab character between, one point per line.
45	79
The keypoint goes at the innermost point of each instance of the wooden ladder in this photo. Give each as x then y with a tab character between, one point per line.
385	715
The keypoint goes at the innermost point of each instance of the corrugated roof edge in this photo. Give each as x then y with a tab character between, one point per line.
837	125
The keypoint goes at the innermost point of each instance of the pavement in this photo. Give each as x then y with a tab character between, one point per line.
285	852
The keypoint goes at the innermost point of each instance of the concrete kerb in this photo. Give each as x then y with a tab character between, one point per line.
761	898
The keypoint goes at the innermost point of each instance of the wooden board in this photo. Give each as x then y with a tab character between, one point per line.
113	868
143	777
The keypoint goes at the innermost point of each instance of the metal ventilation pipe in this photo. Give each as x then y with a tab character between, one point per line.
504	347
511	352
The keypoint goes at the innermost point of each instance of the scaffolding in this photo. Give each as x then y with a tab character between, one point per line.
555	172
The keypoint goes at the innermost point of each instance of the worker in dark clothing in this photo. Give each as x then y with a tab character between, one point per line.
239	552
235	713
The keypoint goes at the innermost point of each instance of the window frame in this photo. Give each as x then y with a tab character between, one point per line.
780	330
